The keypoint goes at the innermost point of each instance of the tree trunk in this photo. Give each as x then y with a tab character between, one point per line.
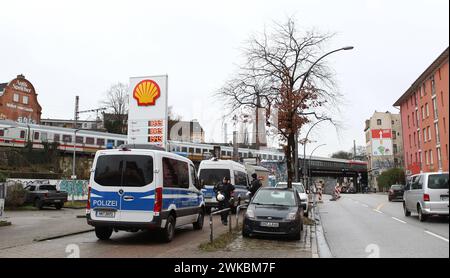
289	159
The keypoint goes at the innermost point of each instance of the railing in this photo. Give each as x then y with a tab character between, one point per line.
238	208
211	236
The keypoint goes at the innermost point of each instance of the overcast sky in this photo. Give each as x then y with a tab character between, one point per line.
68	48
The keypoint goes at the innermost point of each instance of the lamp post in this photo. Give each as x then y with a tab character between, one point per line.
309	170
301	86
74	174
304	146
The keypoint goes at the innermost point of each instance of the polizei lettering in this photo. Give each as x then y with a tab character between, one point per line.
104	203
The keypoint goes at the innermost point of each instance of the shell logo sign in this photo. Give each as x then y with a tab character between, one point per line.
146	92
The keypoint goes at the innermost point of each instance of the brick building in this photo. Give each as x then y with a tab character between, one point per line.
424	114
18	101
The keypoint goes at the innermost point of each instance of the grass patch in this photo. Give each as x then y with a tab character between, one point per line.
5	223
308	221
220	242
21	208
75	204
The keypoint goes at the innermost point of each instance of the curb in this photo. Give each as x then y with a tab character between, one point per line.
320	246
63	235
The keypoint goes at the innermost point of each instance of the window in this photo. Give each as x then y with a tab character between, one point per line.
424	135
436	130
422	112
438	181
413	119
79	139
197	150
433	86
194	177
408	122
16	97
44	136
191	150
90	141
36	135
435	111
184	149
2	132
429	133
445	126
431	156
410	141
67	138
378	121
240	178
438	151
22	134
175	173
426	157
213	176
392	122
121	142
394	134
439	73
423	89
25	99
124	170
395	148
100	142
427	112
56	138
442	98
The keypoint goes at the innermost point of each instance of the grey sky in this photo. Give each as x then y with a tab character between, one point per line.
67	48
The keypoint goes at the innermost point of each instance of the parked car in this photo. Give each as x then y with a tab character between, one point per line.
274	211
427	194
143	189
41	195
301	193
396	192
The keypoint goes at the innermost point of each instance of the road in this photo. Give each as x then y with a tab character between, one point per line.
368	225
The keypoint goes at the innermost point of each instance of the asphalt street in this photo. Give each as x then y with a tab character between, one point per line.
368	225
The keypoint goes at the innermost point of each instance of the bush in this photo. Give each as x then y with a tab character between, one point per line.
390	177
15	195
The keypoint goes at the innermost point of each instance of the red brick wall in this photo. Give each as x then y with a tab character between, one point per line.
14	110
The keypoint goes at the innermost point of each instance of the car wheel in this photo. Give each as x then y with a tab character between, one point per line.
422	217
405	210
58	206
38	204
103	233
169	230
390	199
245	233
199	224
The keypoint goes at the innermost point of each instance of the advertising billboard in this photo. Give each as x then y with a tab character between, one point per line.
147	116
381	142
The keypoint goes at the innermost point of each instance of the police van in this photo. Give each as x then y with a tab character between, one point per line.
212	171
143	189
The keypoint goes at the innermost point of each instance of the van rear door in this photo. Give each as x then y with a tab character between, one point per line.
438	190
124	183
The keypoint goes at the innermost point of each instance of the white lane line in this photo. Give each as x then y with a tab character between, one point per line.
364	205
438	236
399	220
378	211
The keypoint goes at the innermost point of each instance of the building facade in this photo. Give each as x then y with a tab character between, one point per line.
424	113
18	101
384	144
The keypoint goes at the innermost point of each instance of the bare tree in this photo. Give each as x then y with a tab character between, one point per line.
116	102
285	75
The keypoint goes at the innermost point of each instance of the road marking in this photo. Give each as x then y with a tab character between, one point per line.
399	220
378	211
380	206
438	236
364	205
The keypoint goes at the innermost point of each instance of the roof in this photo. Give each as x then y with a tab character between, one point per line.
436	63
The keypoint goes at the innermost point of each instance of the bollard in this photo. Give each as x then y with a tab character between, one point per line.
237	214
230	224
211	236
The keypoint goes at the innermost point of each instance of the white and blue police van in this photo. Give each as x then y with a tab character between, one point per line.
143	189
212	171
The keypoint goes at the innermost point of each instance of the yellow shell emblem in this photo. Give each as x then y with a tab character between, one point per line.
146	92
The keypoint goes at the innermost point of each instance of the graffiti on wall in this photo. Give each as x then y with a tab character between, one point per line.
76	189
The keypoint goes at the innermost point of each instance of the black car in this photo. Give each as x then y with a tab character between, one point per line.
396	192
274	211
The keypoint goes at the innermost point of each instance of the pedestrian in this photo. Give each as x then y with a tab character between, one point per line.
254	185
224	191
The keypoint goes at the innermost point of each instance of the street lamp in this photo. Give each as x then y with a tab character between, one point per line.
301	86
304	146
309	170
74	176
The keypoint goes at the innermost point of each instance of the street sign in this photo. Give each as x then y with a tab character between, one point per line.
381	142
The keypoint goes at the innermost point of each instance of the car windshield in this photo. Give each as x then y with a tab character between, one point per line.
438	181
124	170
213	176
396	187
47	187
274	197
297	186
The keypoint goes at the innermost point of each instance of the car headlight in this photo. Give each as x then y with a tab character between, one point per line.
250	213
291	216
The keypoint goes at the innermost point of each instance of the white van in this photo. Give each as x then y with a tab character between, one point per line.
211	172
143	189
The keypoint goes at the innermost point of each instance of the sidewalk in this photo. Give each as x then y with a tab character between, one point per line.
30	226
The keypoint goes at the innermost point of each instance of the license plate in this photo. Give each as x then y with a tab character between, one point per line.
444	198
269	224
105	213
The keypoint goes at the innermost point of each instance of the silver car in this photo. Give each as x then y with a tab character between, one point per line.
301	194
427	194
